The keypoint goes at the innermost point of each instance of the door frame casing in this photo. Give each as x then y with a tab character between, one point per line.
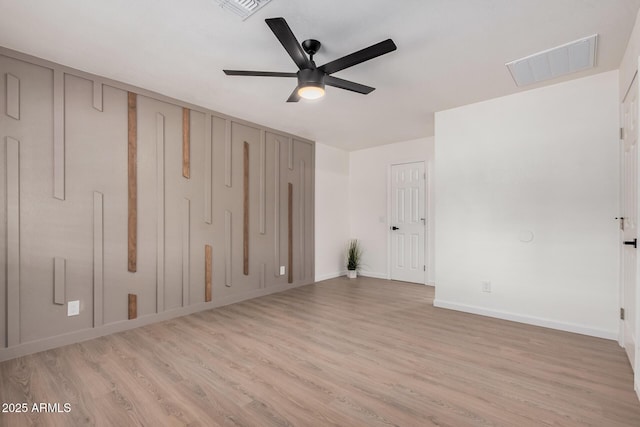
426	200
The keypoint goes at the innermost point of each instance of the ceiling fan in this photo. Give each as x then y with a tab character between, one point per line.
312	79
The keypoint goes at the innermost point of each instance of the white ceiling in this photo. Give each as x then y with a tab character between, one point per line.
450	53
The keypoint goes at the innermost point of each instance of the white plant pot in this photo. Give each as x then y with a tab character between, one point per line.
352	274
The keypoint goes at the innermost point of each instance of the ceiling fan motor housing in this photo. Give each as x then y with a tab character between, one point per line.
311	77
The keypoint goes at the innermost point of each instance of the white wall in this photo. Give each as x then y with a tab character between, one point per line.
368	196
544	161
332	210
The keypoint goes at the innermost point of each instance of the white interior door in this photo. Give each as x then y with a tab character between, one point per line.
629	233
408	222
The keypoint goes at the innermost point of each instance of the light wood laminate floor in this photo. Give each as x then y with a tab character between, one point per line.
364	352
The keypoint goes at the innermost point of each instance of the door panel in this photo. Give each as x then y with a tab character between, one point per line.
407	216
630	214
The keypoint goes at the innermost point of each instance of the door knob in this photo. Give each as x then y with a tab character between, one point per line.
395	228
633	243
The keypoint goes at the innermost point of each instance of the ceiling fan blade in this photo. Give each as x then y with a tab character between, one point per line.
363	55
348	85
259	73
282	31
294	97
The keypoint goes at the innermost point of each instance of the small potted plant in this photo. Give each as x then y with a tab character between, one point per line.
354	258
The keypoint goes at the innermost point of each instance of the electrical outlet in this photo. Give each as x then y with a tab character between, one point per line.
73	308
282	270
486	286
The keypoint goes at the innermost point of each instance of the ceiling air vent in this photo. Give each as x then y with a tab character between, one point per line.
546	65
242	8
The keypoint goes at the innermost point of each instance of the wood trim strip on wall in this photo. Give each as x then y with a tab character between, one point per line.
186	143
276	208
98	258
208	271
12	160
301	195
132	224
13	96
58	135
227	248
290	153
160	235
227	153
245	209
208	168
186	249
98	90
132	307
59	280
290	232
263	182
263	274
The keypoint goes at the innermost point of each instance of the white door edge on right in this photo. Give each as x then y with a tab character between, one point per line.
629	233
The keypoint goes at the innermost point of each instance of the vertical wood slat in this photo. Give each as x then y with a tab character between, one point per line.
208	160
13	96
186	241
263	274
12	160
208	271
276	208
227	248
227	153
301	212
98	259
59	280
160	184
290	232
263	183
58	135
98	90
132	306
132	224
245	210
186	143
290	154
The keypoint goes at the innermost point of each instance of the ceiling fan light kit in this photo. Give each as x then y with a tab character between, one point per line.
310	84
311	92
312	79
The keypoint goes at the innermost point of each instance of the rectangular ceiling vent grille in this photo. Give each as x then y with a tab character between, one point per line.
546	65
242	8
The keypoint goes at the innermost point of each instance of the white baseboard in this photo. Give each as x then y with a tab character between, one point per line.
384	276
321	277
530	320
373	274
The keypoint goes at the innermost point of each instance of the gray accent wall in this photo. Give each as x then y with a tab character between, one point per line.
64	207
